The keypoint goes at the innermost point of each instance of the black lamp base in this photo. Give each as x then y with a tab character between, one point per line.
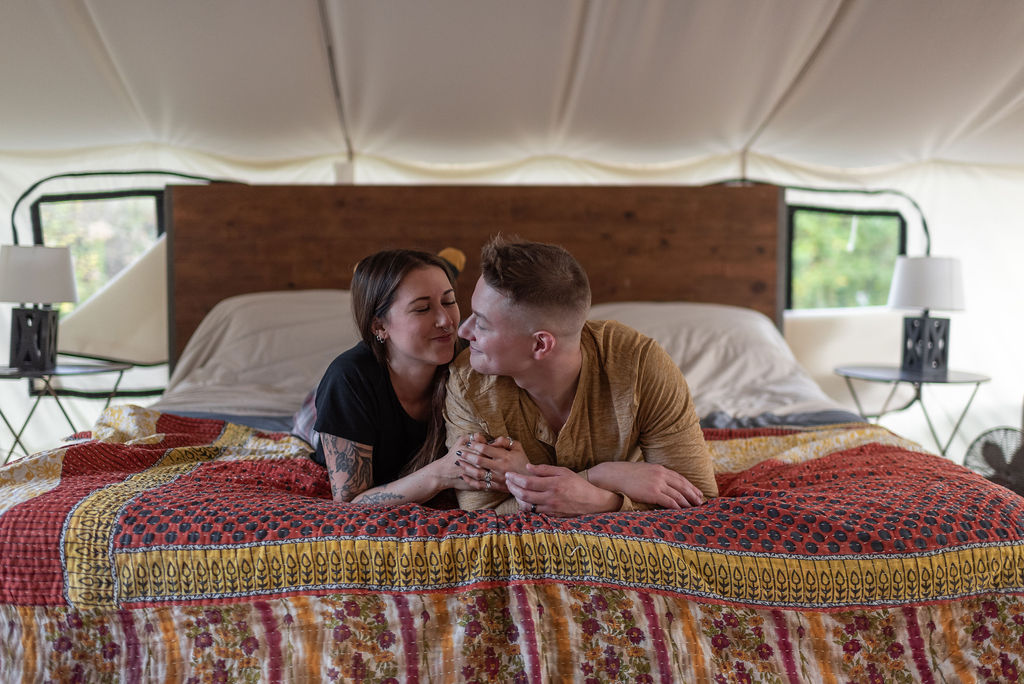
34	339
926	346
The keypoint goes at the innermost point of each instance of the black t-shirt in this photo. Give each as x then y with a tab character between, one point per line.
355	401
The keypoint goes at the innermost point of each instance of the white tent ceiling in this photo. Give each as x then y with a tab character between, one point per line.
841	84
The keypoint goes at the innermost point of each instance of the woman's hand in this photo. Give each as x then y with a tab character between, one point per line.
484	465
648	483
449	471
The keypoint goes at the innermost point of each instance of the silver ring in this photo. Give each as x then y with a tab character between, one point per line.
488	476
487	484
533	508
511	443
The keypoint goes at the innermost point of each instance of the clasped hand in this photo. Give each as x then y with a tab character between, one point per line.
501	465
484	464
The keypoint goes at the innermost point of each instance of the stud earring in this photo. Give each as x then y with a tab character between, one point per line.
380	339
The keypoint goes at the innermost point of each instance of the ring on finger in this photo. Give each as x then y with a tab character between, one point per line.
533	508
511	443
487	484
487	476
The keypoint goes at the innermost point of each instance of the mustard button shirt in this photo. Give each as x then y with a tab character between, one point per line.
632	403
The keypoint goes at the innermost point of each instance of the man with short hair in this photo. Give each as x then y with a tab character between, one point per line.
569	416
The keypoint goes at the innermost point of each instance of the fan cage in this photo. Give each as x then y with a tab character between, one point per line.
1008	440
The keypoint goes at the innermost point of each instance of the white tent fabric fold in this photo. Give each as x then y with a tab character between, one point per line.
127	319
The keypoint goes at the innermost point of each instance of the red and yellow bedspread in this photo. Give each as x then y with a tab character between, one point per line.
167	545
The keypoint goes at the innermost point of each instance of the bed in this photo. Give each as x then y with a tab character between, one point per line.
194	540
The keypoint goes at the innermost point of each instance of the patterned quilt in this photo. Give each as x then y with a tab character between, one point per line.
169	548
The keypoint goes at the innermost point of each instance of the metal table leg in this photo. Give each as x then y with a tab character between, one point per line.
113	392
17	439
956	428
50	391
885	404
28	418
856	400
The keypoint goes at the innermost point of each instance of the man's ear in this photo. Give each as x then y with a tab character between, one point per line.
543	344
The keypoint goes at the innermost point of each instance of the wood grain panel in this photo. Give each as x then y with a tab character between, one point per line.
659	243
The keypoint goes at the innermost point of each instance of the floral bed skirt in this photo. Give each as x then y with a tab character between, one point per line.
514	633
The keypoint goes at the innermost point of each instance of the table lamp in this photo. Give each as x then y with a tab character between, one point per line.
926	283
40	276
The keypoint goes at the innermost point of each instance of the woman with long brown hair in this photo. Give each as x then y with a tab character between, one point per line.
379	404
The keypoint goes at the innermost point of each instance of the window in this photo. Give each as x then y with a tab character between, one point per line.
105	231
842	258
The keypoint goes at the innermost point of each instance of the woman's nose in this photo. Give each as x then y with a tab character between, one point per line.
464	329
445	320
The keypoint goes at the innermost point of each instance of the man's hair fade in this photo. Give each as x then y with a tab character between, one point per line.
539	277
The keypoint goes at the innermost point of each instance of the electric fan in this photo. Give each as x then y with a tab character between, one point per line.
998	454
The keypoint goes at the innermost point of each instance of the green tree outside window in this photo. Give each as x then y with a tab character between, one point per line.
842	259
105	236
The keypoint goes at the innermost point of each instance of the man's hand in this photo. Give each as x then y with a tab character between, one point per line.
648	483
559	491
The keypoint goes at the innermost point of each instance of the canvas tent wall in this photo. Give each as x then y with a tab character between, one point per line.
923	96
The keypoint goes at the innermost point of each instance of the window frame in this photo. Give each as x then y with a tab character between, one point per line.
792	209
36	214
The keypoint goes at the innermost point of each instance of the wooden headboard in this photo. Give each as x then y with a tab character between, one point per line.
719	244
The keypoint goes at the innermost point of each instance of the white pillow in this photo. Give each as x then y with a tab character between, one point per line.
260	354
734	359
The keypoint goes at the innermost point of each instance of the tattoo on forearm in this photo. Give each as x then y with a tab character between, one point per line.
378	498
349	466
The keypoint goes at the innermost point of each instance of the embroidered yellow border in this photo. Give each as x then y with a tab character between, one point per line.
90	580
372	564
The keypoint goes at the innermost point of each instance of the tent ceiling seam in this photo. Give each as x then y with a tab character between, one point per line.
123	82
339	105
978	122
571	81
841	9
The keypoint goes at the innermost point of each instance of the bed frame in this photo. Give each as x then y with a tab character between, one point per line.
720	244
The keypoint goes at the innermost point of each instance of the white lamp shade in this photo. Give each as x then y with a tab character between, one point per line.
36	275
927	283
